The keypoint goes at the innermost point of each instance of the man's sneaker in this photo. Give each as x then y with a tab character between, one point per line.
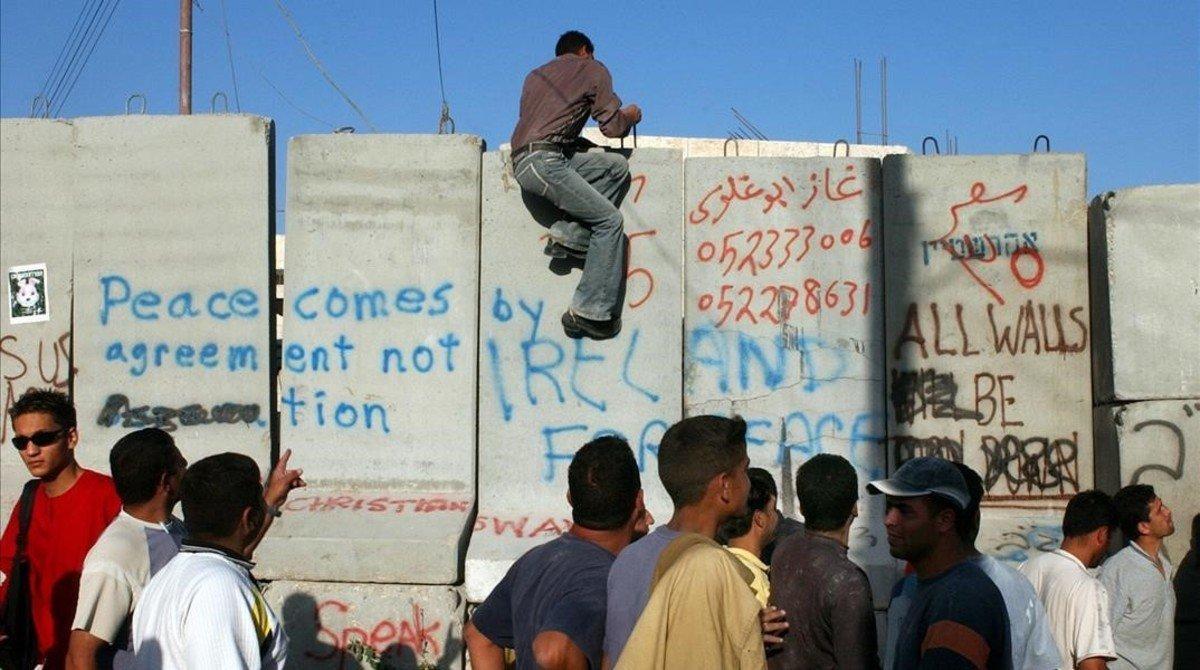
576	327
555	250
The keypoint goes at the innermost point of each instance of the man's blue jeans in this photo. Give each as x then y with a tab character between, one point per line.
586	186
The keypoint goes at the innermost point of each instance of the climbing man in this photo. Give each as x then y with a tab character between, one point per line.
548	162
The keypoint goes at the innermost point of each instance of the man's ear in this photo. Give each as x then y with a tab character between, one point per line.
944	521
72	437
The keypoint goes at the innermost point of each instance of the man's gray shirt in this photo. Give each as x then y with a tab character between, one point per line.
629	588
1142	603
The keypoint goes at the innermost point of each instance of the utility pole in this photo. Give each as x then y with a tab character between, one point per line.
185	56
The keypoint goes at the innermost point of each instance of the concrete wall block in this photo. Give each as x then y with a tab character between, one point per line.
173	218
542	395
1147	243
700	147
783	318
403	625
378	372
987	325
36	214
1154	439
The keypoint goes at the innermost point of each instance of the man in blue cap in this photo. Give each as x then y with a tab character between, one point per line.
957	618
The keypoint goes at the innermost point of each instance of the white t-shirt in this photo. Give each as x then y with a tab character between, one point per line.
1033	644
204	611
117	568
1142	602
1076	604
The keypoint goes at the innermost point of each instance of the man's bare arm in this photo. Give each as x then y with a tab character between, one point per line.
485	654
1092	663
553	650
83	649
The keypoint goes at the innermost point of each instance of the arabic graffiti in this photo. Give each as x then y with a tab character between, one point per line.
741	188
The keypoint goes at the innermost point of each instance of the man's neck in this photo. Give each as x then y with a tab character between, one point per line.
233	545
612	541
940	560
695	519
839	535
60	482
750	542
1151	545
151	511
1079	550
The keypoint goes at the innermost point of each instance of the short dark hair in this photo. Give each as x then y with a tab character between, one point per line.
695	450
827	487
604	482
967	523
1133	507
215	492
570	42
1088	511
762	489
937	504
45	401
139	461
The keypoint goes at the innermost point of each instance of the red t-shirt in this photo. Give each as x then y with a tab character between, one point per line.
61	532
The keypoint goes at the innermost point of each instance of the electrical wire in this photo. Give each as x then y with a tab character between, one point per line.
445	119
292	104
83	64
62	52
237	99
72	56
317	63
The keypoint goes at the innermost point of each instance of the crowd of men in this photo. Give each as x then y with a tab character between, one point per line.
97	572
727	583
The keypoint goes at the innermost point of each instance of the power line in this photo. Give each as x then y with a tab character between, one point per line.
72	55
445	119
317	63
90	50
237	99
292	104
62	52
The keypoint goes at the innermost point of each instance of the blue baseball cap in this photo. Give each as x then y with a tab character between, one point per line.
925	476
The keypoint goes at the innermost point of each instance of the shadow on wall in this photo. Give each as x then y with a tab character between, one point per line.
319	645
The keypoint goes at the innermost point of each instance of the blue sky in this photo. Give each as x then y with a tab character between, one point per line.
1117	81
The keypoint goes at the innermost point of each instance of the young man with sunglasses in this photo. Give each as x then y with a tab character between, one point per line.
71	508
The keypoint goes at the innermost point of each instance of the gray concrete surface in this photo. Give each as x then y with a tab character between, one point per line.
377	387
1159	442
1146	286
697	147
399	625
987	328
783	319
36	213
542	395
173	221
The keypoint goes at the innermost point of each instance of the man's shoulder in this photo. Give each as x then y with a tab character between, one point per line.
99	486
122	544
1006	577
966	587
1123	560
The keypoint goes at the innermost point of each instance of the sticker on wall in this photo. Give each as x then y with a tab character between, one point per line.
28	301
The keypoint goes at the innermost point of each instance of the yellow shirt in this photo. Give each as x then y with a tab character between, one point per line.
700	615
761	584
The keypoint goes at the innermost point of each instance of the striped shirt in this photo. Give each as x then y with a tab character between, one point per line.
118	567
204	610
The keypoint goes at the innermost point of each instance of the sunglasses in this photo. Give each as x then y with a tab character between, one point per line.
42	438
